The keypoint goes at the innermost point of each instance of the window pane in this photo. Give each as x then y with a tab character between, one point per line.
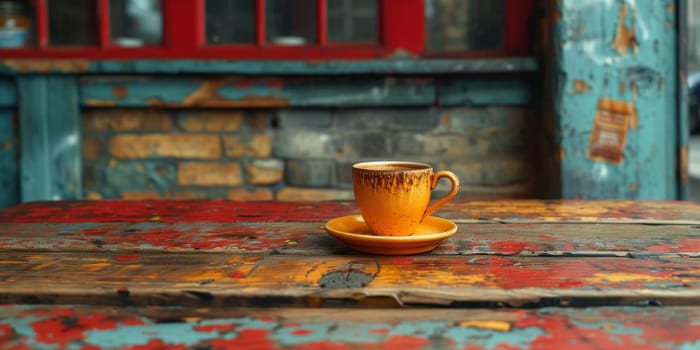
73	22
352	20
136	22
15	24
230	21
465	25
291	22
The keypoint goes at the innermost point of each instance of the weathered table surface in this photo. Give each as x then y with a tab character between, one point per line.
221	274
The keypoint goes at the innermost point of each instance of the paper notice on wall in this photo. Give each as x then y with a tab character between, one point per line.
609	134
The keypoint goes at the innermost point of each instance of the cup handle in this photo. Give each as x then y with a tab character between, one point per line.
434	181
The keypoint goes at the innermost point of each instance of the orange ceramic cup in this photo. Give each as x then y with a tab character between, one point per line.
393	196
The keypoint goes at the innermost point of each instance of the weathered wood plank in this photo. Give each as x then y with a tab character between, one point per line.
458	91
210	279
504	211
174	211
8	92
75	326
50	163
310	238
256	92
9	162
266	67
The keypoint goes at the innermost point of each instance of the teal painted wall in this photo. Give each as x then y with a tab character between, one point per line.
626	52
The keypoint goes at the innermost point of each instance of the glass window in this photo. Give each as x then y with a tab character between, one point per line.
136	22
291	22
352	20
230	21
15	24
73	22
465	25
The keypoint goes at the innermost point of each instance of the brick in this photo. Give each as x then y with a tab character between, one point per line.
454	145
254	145
408	119
311	173
303	144
92	148
360	144
258	120
479	119
139	175
264	172
132	146
192	195
493	171
136	195
307	119
209	174
93	196
259	194
313	194
126	120
210	120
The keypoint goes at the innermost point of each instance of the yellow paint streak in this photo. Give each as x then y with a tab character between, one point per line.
391	276
216	275
619	277
499	326
12	262
95	267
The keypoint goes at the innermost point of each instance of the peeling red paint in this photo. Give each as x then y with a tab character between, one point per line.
65	326
253	339
157	344
126	257
221	328
510	247
237	274
302	332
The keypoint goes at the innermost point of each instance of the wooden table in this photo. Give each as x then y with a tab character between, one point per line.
218	274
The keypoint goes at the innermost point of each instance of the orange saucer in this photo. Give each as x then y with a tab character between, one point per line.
354	232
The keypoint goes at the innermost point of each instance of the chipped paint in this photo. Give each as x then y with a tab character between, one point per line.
580	86
624	36
120	91
683	161
48	65
626	52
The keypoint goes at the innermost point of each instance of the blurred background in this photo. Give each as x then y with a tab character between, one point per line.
275	99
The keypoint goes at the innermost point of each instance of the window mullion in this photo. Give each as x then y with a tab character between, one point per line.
42	23
260	22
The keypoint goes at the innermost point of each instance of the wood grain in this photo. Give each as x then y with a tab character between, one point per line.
310	238
233	279
503	211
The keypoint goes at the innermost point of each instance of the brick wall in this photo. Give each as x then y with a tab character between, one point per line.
297	154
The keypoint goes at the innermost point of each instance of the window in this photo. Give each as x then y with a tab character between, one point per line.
269	29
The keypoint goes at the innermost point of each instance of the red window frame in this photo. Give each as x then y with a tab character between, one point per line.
401	27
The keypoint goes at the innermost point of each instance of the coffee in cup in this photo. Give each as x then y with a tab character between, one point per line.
394	196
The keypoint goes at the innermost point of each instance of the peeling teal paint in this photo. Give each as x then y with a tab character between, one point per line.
51	152
8	92
286	67
588	68
9	162
306	92
272	92
465	91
